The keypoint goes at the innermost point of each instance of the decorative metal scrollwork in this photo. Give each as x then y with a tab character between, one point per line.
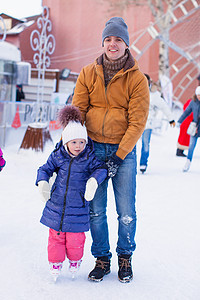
44	44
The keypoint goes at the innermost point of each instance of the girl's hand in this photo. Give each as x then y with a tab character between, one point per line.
44	190
91	187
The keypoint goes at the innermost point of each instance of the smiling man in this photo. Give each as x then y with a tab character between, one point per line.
113	97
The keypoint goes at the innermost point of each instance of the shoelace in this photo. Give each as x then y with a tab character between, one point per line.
124	262
101	264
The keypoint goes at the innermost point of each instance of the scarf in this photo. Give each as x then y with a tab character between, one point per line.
110	68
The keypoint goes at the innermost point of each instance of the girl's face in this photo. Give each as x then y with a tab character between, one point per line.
154	88
76	146
114	47
198	97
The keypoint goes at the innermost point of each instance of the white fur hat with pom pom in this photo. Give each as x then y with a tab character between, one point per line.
70	119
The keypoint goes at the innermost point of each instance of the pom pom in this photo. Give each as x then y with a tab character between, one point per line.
67	114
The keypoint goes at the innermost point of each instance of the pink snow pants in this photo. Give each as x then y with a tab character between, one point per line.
70	244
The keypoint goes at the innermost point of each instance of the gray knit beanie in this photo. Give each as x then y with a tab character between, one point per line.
116	27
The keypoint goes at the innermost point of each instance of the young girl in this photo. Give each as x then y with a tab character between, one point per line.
2	160
79	173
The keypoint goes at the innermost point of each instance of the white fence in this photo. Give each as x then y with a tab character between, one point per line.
16	115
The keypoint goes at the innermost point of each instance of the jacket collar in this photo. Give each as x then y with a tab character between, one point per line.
128	65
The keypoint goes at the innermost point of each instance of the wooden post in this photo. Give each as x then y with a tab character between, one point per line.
36	136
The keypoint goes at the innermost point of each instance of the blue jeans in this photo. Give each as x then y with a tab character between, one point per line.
146	137
193	142
124	186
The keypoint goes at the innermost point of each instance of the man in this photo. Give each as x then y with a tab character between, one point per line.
113	97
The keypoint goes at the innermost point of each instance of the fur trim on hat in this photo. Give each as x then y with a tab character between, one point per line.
67	114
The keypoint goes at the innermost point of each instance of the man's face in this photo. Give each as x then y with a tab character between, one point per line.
114	47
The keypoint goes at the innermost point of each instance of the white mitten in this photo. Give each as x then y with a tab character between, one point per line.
44	190
91	187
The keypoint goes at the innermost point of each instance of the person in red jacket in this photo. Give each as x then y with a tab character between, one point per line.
184	138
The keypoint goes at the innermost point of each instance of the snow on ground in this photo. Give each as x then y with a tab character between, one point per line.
166	261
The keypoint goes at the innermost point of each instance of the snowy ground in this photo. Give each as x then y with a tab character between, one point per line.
166	261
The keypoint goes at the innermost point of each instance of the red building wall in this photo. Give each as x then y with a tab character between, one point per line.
77	26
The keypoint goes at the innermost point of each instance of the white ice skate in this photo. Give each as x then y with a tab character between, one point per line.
55	269
143	169
187	165
74	267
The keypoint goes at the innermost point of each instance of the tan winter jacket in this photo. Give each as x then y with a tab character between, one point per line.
115	114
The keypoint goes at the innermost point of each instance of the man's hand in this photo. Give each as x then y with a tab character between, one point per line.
113	164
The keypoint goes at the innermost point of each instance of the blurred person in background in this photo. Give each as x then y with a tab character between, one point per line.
156	103
2	160
19	93
184	138
193	107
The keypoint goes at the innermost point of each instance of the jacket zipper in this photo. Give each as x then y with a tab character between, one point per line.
65	196
106	99
105	113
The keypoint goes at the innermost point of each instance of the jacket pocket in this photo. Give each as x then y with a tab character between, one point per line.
52	190
75	199
83	199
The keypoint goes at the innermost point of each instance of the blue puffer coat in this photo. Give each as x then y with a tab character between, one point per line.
67	210
194	107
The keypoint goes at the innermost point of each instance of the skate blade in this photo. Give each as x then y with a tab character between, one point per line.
73	275
55	277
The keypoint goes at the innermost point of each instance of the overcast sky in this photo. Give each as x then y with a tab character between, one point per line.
21	8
